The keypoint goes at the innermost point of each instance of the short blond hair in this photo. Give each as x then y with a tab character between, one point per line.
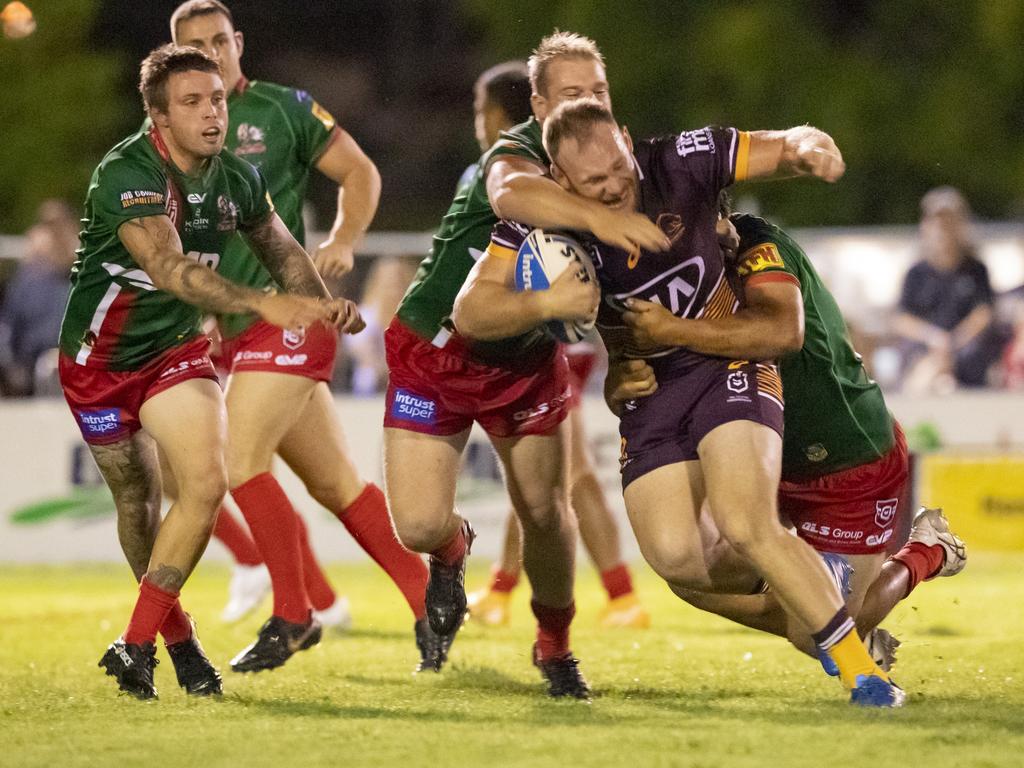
557	45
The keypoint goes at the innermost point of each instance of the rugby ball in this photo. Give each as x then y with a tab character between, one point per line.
540	260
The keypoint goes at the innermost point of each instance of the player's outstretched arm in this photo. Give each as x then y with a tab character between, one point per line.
770	325
488	307
154	244
518	189
799	151
291	267
346	164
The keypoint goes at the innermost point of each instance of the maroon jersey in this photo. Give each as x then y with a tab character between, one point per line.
680	181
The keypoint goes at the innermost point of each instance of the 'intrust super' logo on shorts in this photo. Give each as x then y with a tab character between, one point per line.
100	422
412	407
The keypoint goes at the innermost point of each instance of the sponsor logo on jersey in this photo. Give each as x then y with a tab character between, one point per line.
689	142
100	422
409	406
323	116
227	214
293	340
133	197
250	140
737	382
672	225
290	359
760	258
195	198
816	452
198	223
885	512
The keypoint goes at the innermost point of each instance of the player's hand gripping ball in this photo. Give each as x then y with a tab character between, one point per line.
17	20
541	259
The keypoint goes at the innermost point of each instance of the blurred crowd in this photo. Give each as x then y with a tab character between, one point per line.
949	329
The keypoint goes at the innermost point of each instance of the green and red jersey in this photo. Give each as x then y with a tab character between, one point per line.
116	319
283	132
462	238
836	417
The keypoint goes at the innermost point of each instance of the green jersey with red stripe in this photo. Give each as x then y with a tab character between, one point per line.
283	132
836	417
116	319
464	234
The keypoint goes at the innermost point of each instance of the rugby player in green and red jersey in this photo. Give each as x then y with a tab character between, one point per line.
161	208
439	386
278	399
502	101
845	470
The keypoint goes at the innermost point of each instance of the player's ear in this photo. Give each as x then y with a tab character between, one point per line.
560	178
240	42
628	139
539	105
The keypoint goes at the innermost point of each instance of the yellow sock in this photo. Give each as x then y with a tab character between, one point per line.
852	658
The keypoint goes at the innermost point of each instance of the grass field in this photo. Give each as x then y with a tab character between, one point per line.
691	691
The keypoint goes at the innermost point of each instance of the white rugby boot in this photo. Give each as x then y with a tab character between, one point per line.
930	528
250	584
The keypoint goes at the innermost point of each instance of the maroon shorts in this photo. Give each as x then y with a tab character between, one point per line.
443	390
106	404
692	399
854	511
265	347
581	357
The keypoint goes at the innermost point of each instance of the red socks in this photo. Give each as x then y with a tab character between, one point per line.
176	627
229	532
321	595
552	630
454	550
617	581
275	529
503	581
368	521
920	560
151	609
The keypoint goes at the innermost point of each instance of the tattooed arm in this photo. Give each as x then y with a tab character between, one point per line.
154	244
285	259
291	267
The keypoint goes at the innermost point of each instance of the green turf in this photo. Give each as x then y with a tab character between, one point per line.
692	691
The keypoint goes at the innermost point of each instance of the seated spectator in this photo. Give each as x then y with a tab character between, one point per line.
946	319
33	305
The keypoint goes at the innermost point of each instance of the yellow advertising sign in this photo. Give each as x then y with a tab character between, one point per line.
983	497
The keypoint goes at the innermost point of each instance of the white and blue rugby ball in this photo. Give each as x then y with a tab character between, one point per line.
541	259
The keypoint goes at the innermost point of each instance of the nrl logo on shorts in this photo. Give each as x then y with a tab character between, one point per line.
293	340
885	512
737	382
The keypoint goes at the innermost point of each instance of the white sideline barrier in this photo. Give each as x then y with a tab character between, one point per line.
45	467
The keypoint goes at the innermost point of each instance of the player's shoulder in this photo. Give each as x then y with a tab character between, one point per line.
524	140
753	229
765	247
133	158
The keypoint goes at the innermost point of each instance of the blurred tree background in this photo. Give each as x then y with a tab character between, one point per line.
916	92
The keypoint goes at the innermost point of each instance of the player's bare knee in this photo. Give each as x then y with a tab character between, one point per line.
417	534
204	491
546	519
681	566
751	533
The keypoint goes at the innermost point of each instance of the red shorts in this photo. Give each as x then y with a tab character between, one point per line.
265	347
443	390
582	357
855	511
106	404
